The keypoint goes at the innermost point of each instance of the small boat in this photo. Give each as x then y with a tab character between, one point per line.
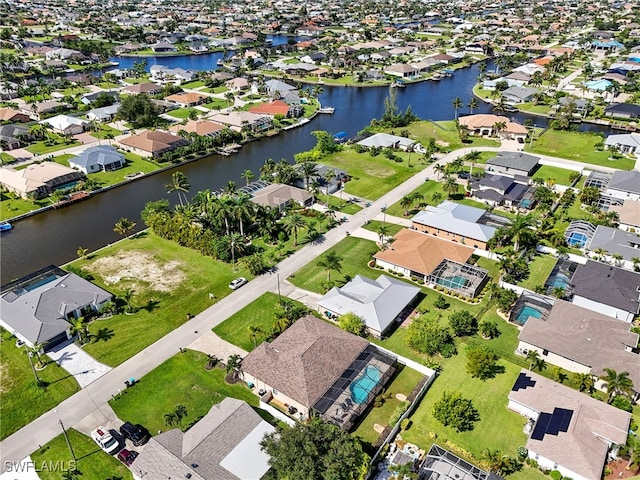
5	226
398	84
220	62
326	110
436	76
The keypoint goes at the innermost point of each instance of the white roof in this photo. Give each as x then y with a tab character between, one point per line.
456	218
385	140
62	122
249	448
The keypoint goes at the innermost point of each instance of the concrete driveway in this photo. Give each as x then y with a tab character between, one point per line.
78	363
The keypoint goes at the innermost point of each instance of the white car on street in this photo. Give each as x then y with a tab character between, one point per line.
237	283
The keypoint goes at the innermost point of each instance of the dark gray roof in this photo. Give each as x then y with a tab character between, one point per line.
516	160
223	445
497	182
488	194
607	285
615	241
515	192
626	181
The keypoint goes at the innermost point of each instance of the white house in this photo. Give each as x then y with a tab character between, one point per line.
102	158
65	124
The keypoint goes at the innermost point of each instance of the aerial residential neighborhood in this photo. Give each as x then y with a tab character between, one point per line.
285	240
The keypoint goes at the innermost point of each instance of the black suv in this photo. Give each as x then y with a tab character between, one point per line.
136	433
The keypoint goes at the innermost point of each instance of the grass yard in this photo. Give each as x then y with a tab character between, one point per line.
259	313
445	134
372	177
12	207
404	383
539	270
498	428
181	113
21	399
427	190
215	104
355	253
341	205
92	462
194	84
40	148
170	281
560	175
374	225
180	380
104	131
577	146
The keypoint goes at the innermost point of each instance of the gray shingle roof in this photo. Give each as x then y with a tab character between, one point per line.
625	181
101	155
516	160
608	285
615	241
305	361
456	218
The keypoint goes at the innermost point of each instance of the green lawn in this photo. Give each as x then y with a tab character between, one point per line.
445	134
427	190
341	205
39	148
577	146
540	269
218	89
180	380
12	207
560	175
374	225
404	383
107	85
104	130
215	104
21	399
181	113
259	313
163	306
194	84
92	462
498	428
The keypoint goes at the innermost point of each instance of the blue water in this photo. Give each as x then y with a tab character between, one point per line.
457	281
526	312
560	281
577	239
364	384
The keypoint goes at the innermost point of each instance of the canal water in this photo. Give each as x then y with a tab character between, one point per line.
53	237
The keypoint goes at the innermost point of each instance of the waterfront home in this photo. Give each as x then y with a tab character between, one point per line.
164	74
626	143
89	98
486	125
102	158
216	447
385	140
278	87
163	47
187	99
402	70
457	223
203	128
11	115
152	143
606	289
379	302
103	114
244	120
515	95
623	110
278	107
12	136
37	308
568	431
281	196
513	163
145	87
315	368
329	179
39	179
66	125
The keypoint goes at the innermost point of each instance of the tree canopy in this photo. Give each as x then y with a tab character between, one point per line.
455	411
138	110
313	451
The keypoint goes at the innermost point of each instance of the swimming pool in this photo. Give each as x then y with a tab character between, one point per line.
455	281
364	384
526	312
560	281
577	239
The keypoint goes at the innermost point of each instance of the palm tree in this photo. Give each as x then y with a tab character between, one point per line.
234	363
292	224
457	104
124	226
616	383
171	419
331	261
248	176
450	185
406	202
79	326
439	168
493	458
473	104
329	175
520	229
180	413
127	296
81	252
383	231
268	169
179	184
308	169
230	98
254	331
499	127
533	356
585	382
632	449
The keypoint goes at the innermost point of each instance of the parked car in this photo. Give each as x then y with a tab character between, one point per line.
136	433
237	283
464	175
127	456
105	440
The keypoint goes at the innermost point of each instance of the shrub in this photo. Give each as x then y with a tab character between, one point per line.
523	453
455	411
397	413
448	350
405	424
426	335
556	475
481	363
463	323
440	303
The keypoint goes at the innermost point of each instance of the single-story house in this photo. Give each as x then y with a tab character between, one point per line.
519	94
608	290
203	128
240	120
385	140
624	142
48	106
238	84
455	222
163	47
12	136
278	86
483	124
625	184
314	367
103	114
280	196
498	190
278	107
145	87
11	115
402	70
614	241
187	99
39	179
623	110
153	143
568	430
216	447
102	158
330	179
37	308
89	98
378	302
513	163
65	124
628	215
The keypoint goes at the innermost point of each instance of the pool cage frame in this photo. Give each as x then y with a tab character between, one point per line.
254	187
476	277
440	464
529	298
598	179
580	226
565	267
336	405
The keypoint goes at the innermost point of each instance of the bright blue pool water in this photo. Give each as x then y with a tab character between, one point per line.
455	281
560	281
577	239
364	384
526	312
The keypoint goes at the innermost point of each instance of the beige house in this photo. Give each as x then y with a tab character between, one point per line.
39	179
281	196
199	127
484	125
185	100
152	143
239	120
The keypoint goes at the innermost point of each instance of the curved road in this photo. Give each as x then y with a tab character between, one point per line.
26	440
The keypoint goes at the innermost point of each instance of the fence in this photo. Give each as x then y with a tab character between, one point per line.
277	414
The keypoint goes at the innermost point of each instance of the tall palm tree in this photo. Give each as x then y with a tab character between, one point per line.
329	175
81	252
498	127
330	261
242	209
254	331
473	104
533	356
585	382
520	229
457	105
406	202
616	383
450	185
179	184
127	297
292	224
439	169
79	326
308	169
124	226
234	363
248	176
171	419
268	169
230	98
382	231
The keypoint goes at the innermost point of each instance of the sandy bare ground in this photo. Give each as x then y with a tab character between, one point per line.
140	270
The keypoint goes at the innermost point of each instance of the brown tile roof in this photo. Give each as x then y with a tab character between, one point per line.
186	98
201	127
629	212
9	114
272	108
153	141
487	120
305	361
145	87
421	252
277	194
580	448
